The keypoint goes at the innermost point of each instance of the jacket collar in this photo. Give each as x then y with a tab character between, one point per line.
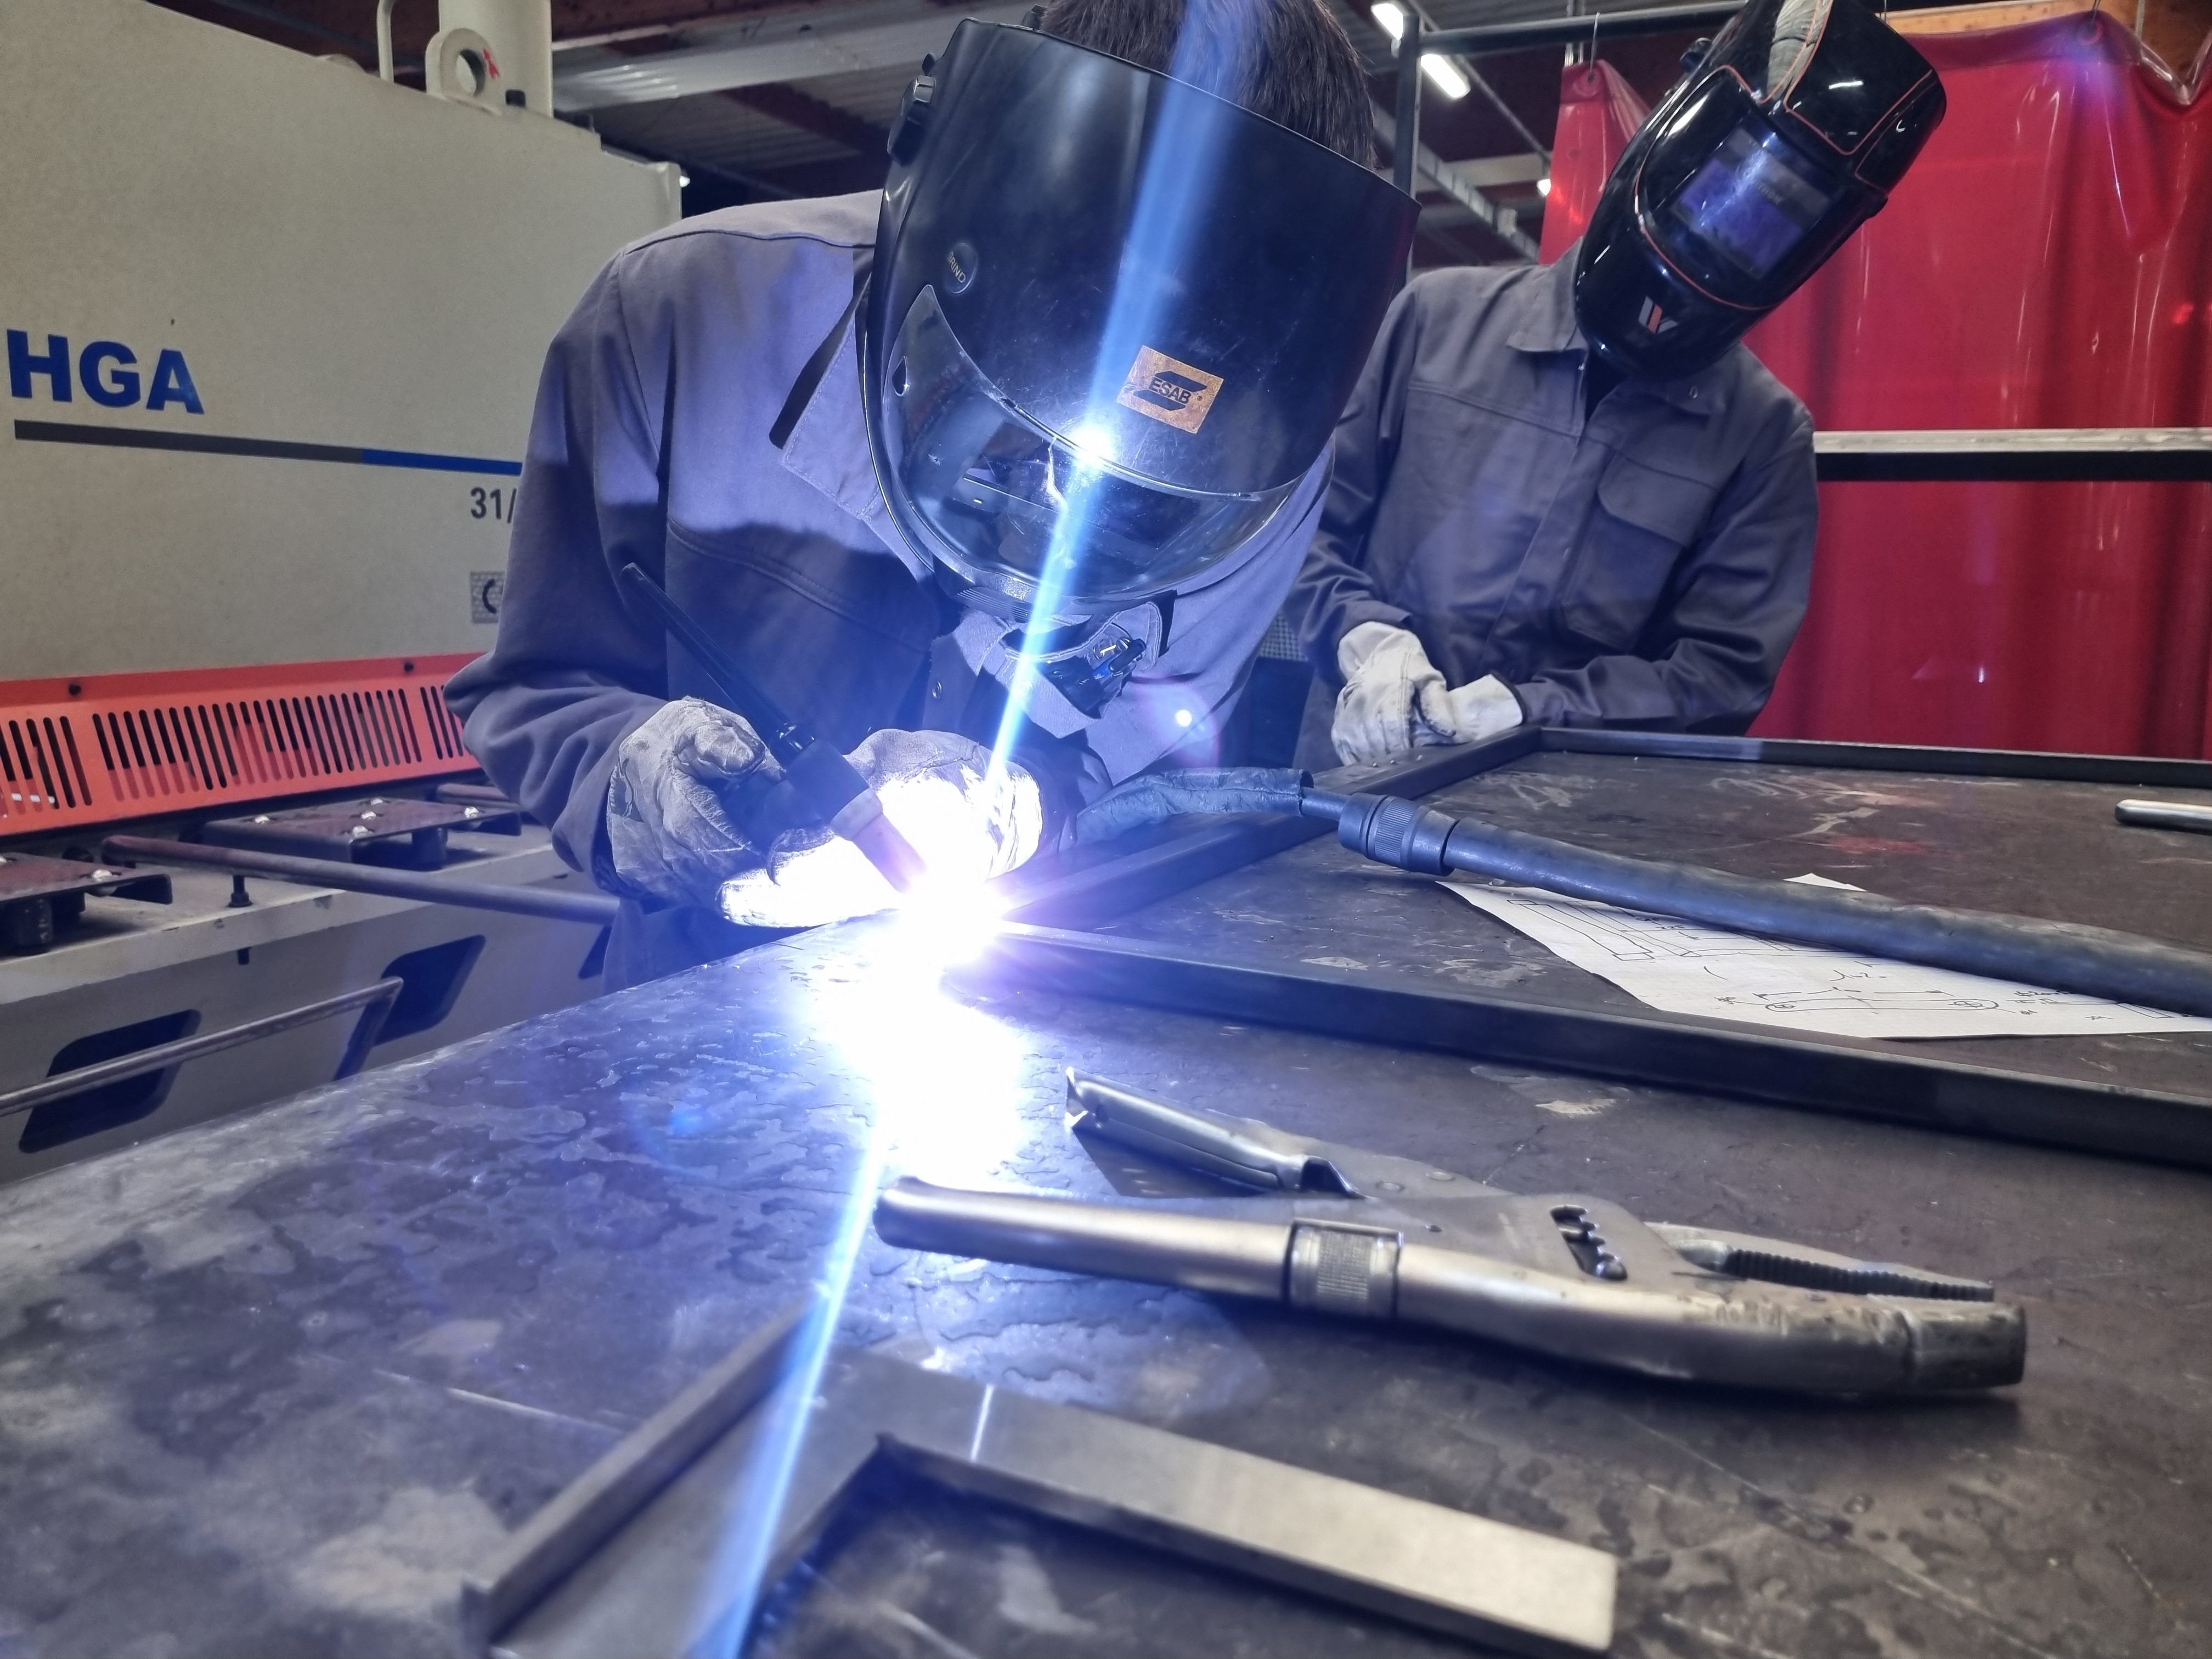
1548	326
828	448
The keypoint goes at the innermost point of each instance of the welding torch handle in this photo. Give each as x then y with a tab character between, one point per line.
786	739
1157	1246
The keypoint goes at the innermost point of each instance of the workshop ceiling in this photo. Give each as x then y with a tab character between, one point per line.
801	95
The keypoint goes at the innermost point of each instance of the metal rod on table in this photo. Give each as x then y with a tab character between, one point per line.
376	998
594	909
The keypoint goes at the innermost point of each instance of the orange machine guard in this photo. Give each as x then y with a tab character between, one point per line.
113	746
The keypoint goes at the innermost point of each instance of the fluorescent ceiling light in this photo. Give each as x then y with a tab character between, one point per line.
1444	76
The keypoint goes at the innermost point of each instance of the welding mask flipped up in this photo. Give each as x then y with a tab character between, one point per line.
1110	326
1782	138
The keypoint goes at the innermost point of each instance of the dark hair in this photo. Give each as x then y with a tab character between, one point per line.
1289	60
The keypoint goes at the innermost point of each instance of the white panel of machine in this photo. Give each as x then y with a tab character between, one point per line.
241	242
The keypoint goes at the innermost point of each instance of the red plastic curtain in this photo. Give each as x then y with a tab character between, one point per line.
2047	263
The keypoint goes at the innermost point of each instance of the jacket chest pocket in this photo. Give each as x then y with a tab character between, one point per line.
1630	546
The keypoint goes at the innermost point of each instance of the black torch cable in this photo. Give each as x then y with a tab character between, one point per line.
2100	962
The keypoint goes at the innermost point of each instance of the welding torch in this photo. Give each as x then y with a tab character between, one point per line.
827	785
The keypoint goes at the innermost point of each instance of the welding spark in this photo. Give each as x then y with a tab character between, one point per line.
968	827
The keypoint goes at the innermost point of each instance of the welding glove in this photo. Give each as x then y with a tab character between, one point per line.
939	790
682	783
1393	698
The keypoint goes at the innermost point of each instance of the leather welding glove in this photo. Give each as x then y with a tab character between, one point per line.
682	783
1391	691
1481	708
1395	699
938	789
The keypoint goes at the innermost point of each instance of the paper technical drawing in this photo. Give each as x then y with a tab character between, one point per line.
1686	968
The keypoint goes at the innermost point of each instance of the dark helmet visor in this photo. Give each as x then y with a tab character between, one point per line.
1031	513
1735	206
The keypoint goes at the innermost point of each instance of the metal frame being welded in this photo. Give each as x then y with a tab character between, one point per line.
637	1555
1046	943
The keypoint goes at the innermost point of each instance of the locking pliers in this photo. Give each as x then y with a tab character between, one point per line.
1359	1233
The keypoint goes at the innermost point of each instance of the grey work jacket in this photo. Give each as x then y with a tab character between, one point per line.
1645	566
650	442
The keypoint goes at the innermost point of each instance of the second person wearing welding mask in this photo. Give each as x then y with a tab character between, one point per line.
1043	425
1569	495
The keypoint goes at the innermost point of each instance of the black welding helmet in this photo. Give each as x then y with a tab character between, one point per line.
1781	140
1110	323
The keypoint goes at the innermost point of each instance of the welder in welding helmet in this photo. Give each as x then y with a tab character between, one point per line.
1782	138
1111	321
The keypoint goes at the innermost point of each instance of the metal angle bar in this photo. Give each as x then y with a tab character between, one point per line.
1084	897
2155	770
1828	1074
1502	223
1576	31
785	49
599	1501
667	1583
377	998
596	910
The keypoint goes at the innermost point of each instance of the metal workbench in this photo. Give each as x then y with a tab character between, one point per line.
270	1385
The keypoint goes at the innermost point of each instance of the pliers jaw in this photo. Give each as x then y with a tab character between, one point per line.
1343	1230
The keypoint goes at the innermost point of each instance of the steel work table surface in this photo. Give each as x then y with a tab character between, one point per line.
268	1385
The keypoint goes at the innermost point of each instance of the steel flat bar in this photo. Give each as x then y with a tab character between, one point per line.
596	910
1887	757
1501	1585
1574	31
1117	886
2026	455
1826	1074
381	996
671	1584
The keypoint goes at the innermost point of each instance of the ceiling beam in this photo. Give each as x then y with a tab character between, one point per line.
1497	172
813	115
765	51
1427	169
